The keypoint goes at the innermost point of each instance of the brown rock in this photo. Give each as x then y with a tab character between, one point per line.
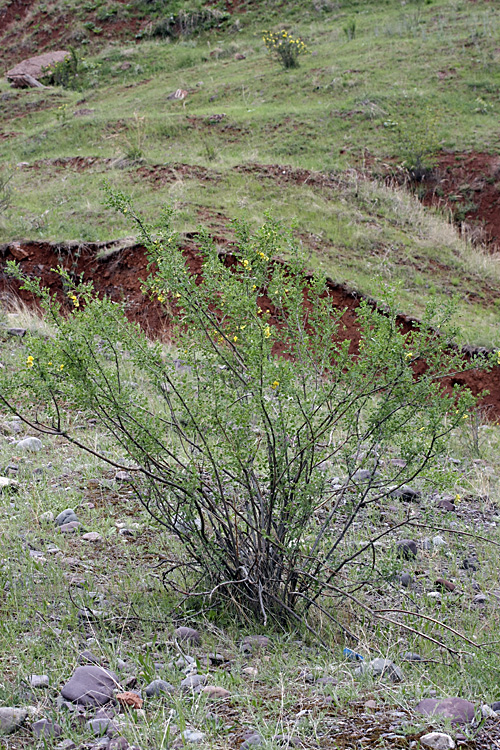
34	68
129	699
214	691
444	585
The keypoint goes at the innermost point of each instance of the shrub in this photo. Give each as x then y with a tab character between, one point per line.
418	145
284	48
234	446
73	73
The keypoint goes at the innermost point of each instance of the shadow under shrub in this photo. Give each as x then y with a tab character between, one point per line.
234	445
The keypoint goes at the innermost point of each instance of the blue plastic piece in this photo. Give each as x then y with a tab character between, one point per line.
350	654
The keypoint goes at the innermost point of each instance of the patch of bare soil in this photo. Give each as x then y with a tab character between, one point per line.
469	185
120	272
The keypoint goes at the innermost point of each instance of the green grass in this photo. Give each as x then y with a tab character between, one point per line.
351	105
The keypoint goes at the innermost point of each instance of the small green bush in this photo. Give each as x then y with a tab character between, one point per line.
234	443
284	48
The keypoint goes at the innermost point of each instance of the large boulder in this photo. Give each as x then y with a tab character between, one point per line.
27	73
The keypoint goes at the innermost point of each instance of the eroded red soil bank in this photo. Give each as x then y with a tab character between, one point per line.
119	272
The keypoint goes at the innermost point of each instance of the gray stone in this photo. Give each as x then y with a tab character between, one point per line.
188	634
91	536
123	476
192	735
39	681
11	719
406	493
90	686
480	599
386	668
446	505
365	475
458	710
252	643
46	728
8	484
406	548
16	332
118	743
101	726
438	541
193	682
470	564
437	741
496	706
47	517
69	528
66	745
409	656
157	687
87	657
65	516
29	444
488	712
251	741
405	580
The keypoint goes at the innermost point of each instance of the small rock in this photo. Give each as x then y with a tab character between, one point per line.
444	585
239	56
39	681
252	643
8	484
123	476
407	549
16	332
191	735
470	564
446	505
91	536
119	743
11	719
47	517
251	741
434	595
30	444
66	745
458	710
65	516
87	657
250	671
496	706
129	699
480	599
386	668
438	541
287	740
364	475
406	493
437	741
69	528
46	728
326	681
409	656
90	685
101	726
188	634
405	580
157	687
370	705
488	712
214	691
193	682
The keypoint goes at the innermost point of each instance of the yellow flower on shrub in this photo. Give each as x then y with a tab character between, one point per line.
30	361
285	48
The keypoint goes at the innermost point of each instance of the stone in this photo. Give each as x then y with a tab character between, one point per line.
193	682
240	56
47	517
46	728
11	719
444	585
250	671
39	681
406	548
480	599
90	686
364	475
214	691
251	741
252	643
192	735
446	505
437	741
370	705
16	332
91	536
66	745
410	656
129	699
8	484
65	516
157	687
69	528
470	564
87	657
100	726
438	541
487	712
187	634
123	476
386	668
406	493
458	710
32	444
27	74
118	743
405	580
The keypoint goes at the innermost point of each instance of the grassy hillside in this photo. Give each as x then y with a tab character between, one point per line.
383	85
